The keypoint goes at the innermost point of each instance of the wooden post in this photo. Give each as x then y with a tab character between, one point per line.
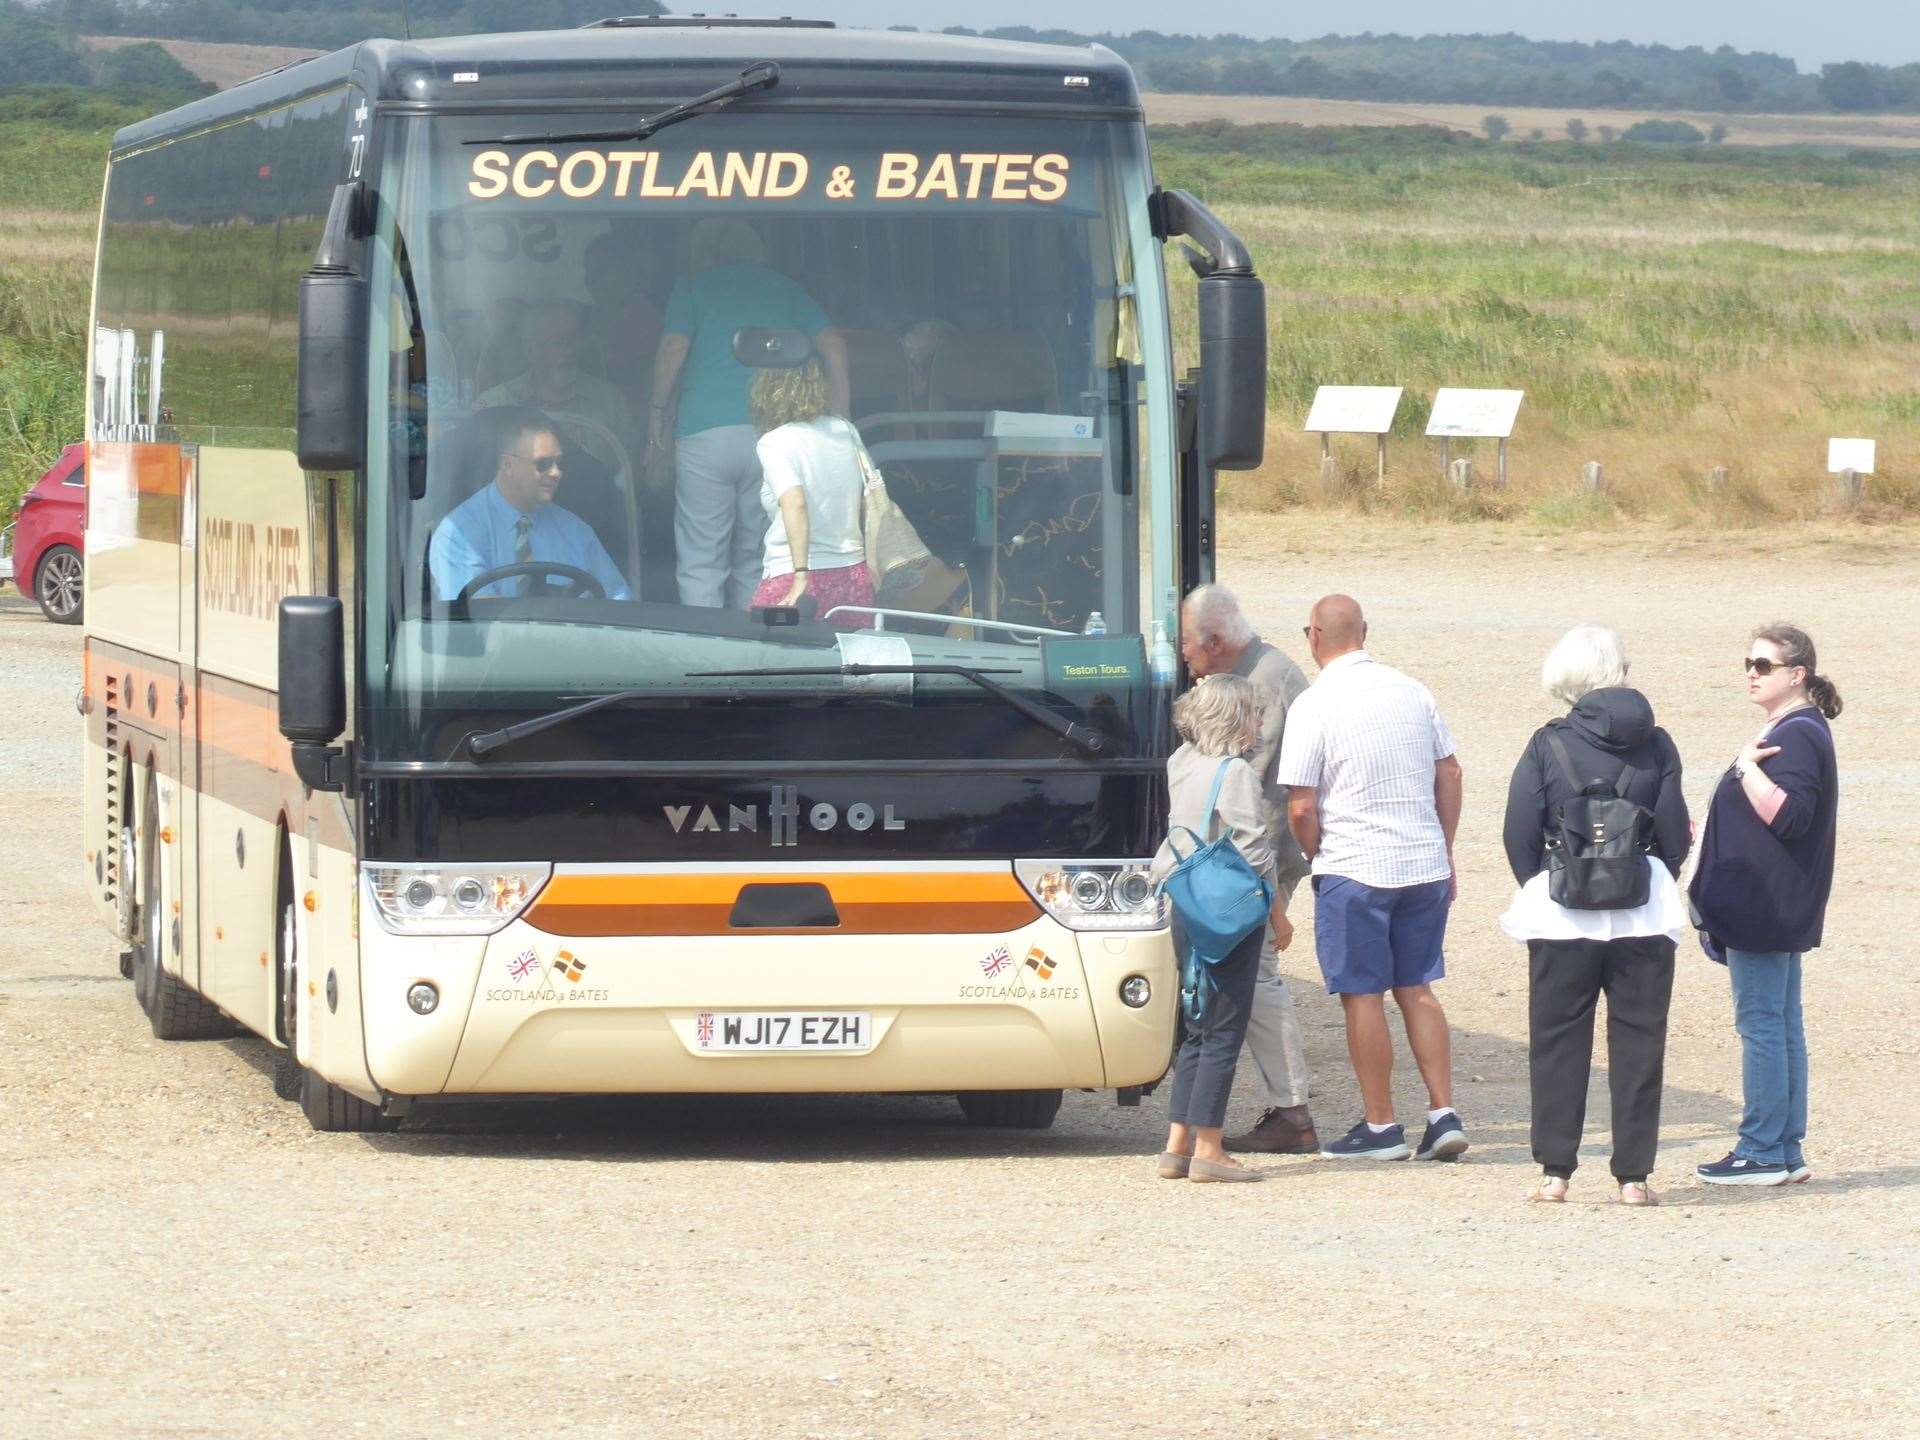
1849	486
1717	480
1326	447
1593	477
1380	472
1329	475
1446	455
1501	467
1461	473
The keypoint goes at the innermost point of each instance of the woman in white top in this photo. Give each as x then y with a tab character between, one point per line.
1576	955
811	484
1219	719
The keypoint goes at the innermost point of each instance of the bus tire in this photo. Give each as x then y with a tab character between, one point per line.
175	1011
1010	1109
328	1107
286	983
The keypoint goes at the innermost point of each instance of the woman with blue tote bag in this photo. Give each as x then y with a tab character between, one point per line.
1219	871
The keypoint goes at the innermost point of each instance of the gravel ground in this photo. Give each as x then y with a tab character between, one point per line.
183	1256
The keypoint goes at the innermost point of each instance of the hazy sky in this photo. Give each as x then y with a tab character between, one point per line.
1887	31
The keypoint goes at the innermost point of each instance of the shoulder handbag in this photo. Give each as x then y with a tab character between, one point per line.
896	555
1220	900
1597	842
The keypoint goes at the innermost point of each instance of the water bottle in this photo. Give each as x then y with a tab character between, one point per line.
1096	624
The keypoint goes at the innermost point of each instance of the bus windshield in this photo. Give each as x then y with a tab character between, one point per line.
618	385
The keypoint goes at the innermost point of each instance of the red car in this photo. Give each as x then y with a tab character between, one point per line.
41	551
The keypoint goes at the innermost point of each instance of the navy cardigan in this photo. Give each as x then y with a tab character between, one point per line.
1764	886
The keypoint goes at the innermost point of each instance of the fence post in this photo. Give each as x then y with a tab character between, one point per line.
1593	477
1461	473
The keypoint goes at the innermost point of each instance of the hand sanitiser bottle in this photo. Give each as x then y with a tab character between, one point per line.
1096	624
1161	656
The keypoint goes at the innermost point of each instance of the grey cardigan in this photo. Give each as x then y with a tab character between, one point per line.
1241	811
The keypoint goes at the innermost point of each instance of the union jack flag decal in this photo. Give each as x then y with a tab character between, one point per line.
991	965
523	964
703	1027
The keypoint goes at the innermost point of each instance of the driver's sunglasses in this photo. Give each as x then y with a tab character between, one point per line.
1760	665
545	464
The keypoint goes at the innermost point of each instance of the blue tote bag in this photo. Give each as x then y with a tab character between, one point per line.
1220	900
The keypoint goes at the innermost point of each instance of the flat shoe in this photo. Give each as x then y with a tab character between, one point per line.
1172	1166
1551	1191
1638	1193
1213	1172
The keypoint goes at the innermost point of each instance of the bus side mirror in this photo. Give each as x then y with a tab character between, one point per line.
313	686
1233	333
1233	371
331	411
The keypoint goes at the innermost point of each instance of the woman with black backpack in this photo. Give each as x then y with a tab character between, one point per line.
1596	831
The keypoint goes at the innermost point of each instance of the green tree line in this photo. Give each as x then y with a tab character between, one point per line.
1497	70
325	26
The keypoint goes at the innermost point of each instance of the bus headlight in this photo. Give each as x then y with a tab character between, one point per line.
451	900
1095	894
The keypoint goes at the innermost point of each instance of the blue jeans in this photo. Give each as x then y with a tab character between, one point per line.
1773	1055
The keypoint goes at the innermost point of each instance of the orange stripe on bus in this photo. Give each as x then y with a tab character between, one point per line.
869	903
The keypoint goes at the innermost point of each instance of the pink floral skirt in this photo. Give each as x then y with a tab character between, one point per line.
847	585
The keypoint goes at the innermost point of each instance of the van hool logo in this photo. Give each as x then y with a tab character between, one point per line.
783	817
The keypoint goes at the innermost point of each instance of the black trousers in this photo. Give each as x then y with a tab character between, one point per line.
1566	981
1203	1069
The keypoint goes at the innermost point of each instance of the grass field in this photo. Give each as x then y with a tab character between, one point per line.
1665	312
1899	131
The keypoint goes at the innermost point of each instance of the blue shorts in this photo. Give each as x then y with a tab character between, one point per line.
1373	940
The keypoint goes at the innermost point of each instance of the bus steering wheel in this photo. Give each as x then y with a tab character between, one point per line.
582	585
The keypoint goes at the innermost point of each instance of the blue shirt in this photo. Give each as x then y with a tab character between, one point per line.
708	310
478	535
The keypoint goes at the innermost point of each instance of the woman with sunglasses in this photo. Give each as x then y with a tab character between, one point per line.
1760	895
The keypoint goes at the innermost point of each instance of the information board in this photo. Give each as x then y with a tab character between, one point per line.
1353	410
1475	414
1855	455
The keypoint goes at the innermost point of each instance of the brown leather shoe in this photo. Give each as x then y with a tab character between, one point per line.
1283	1130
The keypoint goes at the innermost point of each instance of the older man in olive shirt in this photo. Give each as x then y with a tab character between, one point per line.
1216	638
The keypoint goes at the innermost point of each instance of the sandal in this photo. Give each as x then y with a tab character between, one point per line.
1551	1190
1637	1193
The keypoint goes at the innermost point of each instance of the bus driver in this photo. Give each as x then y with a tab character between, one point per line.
513	519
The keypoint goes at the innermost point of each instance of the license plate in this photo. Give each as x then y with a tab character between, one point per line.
760	1031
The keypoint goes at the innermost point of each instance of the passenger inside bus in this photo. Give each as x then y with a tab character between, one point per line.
718	522
554	378
512	523
927	331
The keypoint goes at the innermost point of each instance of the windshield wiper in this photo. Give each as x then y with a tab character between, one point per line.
761	75
1086	737
482	743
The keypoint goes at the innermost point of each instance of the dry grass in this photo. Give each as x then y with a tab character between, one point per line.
222	65
1895	131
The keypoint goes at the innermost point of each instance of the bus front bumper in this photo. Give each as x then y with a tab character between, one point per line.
527	1012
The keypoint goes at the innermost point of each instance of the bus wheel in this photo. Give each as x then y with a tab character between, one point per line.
326	1105
175	1011
1010	1109
286	972
329	1107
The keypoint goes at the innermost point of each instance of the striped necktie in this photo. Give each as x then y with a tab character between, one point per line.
523	549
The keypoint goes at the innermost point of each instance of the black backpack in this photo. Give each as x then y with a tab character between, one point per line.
1597	842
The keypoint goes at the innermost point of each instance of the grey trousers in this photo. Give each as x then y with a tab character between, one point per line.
719	524
1273	1030
1203	1069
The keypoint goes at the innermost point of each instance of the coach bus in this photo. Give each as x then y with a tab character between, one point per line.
554	828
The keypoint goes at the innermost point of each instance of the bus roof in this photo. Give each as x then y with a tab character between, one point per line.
656	65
